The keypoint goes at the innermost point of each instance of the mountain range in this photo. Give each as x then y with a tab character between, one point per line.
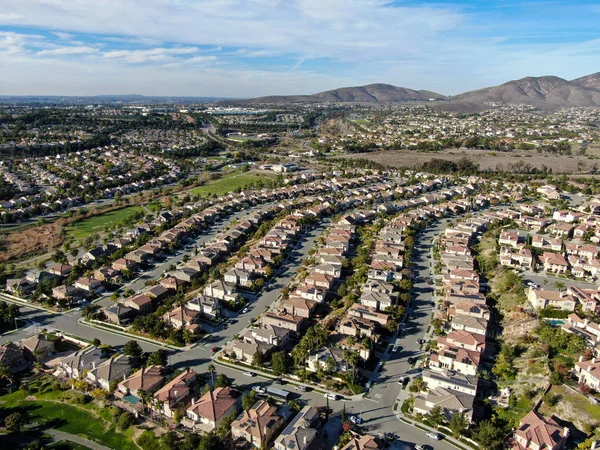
547	92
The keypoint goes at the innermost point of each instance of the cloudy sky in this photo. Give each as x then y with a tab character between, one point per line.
246	48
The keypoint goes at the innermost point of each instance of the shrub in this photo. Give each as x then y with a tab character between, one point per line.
355	388
125	420
79	398
148	441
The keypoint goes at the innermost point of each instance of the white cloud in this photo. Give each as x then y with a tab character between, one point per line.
433	46
341	29
68	50
8	17
155	55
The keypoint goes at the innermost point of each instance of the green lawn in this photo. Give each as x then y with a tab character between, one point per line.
227	184
66	445
68	418
84	228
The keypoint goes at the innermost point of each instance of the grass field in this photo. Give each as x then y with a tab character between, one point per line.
227	184
57	414
66	445
85	227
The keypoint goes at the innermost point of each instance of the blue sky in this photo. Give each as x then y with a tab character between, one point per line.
245	48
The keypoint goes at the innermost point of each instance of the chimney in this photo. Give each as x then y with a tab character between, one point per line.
566	434
581	358
593	446
93	364
593	360
304	439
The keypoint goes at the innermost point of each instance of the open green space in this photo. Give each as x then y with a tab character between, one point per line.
50	411
242	138
66	445
227	184
97	224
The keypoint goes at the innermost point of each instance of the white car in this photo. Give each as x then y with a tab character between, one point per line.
299	387
331	396
245	310
249	374
259	390
433	435
355	420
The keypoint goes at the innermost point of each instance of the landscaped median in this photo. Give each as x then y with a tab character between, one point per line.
242	367
114	330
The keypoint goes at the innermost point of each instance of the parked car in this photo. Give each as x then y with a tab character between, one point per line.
331	396
356	420
245	310
419	447
215	349
259	390
433	435
249	374
299	387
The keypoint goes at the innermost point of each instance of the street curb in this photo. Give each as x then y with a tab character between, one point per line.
132	336
450	440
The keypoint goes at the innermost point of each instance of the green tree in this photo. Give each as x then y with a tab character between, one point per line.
132	348
14	422
279	363
222	381
257	359
457	424
212	369
210	441
158	358
436	416
248	400
488	435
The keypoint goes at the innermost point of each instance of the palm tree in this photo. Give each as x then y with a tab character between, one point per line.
212	369
352	358
5	374
146	398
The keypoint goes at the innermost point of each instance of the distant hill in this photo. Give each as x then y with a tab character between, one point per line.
371	93
544	92
589	81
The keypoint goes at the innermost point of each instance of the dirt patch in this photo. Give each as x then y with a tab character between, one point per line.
572	406
32	241
486	159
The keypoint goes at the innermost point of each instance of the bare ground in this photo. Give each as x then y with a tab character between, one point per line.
32	241
485	158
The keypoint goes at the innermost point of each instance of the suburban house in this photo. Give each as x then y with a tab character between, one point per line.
542	298
554	262
537	432
588	373
111	370
300	432
258	425
176	392
148	379
12	357
363	442
450	380
208	411
451	402
82	361
38	347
